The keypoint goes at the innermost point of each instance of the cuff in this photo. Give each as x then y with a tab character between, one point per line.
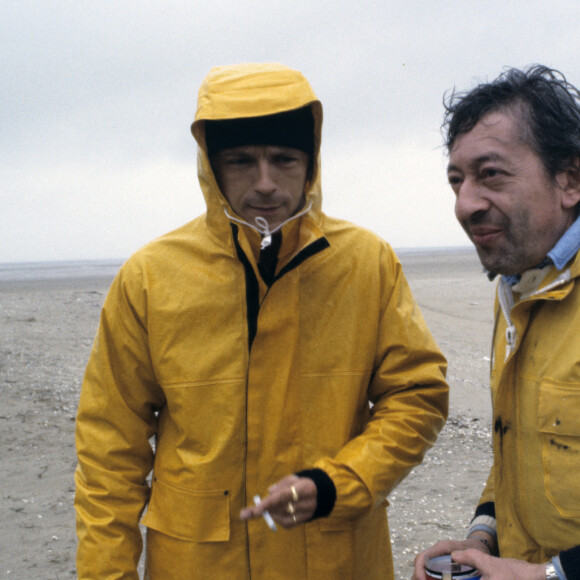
485	523
484	520
325	491
485	509
569	563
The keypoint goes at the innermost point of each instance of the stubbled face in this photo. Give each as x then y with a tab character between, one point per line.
512	210
262	180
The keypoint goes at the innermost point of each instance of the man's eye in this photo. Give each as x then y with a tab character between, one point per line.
489	172
284	159
454	181
237	161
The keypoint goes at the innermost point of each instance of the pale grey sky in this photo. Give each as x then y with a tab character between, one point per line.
97	99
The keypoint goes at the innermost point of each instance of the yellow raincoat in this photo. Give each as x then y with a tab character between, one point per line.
337	328
536	406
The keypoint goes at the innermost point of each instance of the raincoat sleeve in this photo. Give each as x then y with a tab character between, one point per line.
409	398
488	495
484	518
116	418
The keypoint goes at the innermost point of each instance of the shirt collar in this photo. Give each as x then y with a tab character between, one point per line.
567	246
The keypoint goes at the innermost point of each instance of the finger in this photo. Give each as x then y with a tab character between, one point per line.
419	570
282	497
294	492
291	496
303	508
251	512
445	547
257	510
441	548
472	557
419	574
277	502
290	514
288	521
284	484
247	514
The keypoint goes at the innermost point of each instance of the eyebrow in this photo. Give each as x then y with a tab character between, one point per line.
478	161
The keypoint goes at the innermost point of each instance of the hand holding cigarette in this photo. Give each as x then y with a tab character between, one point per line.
289	502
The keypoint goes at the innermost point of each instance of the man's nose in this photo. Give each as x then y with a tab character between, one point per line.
265	183
470	199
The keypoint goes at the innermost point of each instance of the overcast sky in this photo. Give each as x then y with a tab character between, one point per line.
97	99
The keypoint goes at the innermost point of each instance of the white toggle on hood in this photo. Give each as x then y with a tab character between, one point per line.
263	227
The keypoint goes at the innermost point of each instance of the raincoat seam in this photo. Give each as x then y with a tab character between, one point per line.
354	373
186	384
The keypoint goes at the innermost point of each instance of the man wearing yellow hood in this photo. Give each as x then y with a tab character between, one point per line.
263	350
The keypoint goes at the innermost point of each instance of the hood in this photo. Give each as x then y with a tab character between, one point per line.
251	90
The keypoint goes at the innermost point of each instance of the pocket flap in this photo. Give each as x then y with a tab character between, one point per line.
558	409
194	516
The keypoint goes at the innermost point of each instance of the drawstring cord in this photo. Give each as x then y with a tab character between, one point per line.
263	227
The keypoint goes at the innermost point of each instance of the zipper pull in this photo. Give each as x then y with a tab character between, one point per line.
510	339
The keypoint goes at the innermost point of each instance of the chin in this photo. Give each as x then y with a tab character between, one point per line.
489	261
499	267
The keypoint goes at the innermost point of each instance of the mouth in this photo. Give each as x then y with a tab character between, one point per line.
484	235
265	209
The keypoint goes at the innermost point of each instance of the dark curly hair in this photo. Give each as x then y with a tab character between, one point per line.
547	105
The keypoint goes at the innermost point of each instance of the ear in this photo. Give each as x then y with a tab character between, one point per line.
568	182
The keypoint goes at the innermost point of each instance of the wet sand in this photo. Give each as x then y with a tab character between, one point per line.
46	332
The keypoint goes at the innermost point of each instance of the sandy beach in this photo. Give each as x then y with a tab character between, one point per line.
47	325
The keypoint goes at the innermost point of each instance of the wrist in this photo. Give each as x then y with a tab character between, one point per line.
485	526
325	491
486	539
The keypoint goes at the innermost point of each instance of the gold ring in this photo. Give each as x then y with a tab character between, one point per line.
290	509
295	496
294	518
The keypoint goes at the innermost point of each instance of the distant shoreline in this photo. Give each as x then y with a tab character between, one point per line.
435	250
58	270
82	269
49	264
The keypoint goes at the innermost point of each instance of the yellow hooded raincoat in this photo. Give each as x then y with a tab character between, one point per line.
241	385
536	406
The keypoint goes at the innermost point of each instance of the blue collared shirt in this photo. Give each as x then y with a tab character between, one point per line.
567	246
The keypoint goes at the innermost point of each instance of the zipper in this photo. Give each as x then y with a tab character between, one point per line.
506	302
564	277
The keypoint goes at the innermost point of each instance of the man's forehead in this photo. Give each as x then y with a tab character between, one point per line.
259	150
493	138
507	124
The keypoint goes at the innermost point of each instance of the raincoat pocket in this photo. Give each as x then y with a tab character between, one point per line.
190	515
559	425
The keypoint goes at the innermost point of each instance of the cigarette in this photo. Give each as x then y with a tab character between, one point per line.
266	515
